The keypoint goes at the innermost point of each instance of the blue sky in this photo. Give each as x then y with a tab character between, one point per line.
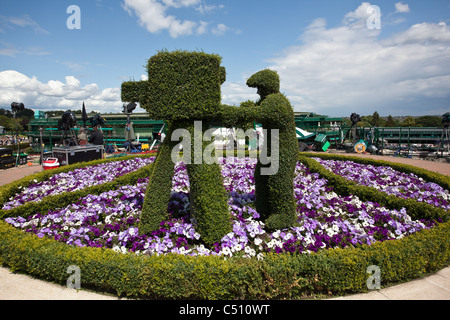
329	58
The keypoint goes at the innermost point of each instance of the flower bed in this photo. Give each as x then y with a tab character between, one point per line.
283	275
391	181
325	219
77	179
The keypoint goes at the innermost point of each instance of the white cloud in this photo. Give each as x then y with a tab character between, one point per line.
401	8
203	28
11	51
220	29
349	68
8	50
23	21
153	16
359	16
53	95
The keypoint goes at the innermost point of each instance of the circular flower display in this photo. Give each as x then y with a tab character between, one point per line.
325	219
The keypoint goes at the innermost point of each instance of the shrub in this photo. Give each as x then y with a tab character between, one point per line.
278	276
181	85
184	87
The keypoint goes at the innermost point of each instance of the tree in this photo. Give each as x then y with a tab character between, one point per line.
429	121
6	113
408	122
376	119
7	122
390	122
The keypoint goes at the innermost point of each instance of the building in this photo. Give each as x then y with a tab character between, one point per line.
145	128
113	130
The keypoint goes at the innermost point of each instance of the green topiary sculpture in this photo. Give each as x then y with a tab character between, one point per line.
183	87
275	192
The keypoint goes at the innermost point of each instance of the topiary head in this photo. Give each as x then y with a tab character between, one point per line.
267	82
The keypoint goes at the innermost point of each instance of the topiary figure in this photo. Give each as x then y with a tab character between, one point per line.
275	192
274	187
183	87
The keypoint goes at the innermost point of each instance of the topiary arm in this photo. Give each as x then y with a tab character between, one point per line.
232	116
134	91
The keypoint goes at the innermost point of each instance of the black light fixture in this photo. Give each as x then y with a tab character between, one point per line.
68	121
446	120
129	108
355	118
17	107
97	120
66	124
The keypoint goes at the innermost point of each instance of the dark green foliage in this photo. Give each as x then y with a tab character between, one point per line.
267	82
132	91
275	192
158	191
209	199
183	87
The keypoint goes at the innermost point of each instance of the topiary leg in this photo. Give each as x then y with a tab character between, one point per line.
209	199
158	191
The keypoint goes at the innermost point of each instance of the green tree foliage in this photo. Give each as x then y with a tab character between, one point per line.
429	121
408	122
390	122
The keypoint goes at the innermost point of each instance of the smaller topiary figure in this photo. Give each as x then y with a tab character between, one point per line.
275	192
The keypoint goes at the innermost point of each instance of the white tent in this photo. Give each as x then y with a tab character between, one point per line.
302	134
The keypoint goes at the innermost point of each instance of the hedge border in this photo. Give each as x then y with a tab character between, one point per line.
282	276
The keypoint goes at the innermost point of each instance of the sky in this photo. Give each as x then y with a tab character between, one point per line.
333	57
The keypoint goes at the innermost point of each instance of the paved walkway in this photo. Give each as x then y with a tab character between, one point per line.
23	287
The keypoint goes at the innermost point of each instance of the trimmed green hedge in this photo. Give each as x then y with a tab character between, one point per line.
181	85
329	272
133	91
282	276
275	192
